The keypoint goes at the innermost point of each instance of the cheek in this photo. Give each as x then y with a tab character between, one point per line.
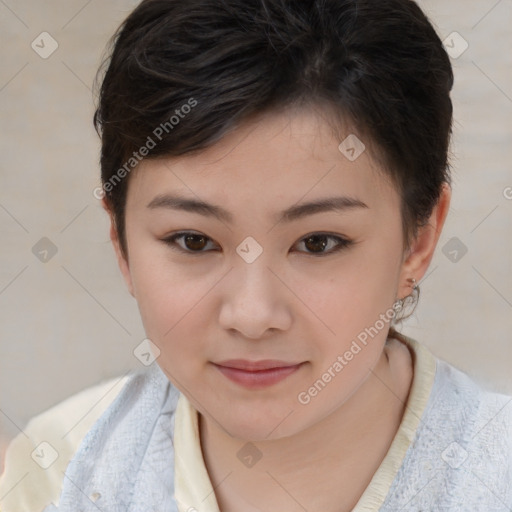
352	309
168	300
351	293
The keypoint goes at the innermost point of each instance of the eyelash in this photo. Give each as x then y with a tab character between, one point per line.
342	243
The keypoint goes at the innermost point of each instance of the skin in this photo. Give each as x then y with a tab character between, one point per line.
288	304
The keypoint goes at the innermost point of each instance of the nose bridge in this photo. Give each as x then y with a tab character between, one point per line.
252	302
253	277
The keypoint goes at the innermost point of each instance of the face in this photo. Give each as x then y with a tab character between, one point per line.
252	283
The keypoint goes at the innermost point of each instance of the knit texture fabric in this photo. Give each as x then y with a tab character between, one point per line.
461	456
126	461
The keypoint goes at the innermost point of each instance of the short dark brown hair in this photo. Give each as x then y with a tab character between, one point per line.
377	64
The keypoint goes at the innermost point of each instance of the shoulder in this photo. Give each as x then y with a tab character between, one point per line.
116	463
461	451
456	387
467	437
481	434
471	404
37	457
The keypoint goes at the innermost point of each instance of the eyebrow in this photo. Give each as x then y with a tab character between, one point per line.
295	212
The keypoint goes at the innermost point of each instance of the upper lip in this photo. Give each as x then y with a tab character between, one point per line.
264	364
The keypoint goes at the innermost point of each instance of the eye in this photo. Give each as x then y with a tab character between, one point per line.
318	242
315	243
192	242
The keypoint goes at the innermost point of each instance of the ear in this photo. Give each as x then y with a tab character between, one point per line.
423	246
121	260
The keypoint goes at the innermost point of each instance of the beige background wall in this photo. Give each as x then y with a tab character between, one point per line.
68	323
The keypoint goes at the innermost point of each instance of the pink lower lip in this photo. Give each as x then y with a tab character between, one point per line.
259	379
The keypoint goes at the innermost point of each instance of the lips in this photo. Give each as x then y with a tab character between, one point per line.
256	374
255	366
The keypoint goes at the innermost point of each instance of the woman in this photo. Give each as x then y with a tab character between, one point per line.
277	179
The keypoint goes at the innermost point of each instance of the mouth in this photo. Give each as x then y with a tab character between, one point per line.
257	375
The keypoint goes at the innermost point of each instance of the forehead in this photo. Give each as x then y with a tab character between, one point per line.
273	159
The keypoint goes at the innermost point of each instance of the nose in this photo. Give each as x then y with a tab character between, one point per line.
255	300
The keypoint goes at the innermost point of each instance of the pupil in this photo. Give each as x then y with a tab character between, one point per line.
188	238
323	243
